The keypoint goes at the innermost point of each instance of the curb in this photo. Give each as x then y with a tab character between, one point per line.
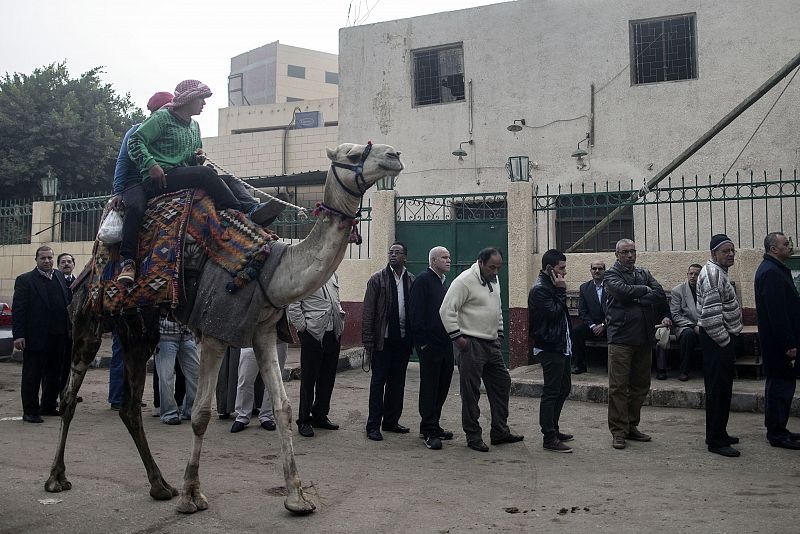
667	398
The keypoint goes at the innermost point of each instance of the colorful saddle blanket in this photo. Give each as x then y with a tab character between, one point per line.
228	237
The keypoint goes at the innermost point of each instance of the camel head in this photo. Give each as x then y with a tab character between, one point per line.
357	167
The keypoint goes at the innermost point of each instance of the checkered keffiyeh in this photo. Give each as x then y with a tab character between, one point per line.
188	90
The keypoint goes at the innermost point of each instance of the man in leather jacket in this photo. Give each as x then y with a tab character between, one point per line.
636	302
550	330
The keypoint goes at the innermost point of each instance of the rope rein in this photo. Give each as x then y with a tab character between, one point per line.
302	213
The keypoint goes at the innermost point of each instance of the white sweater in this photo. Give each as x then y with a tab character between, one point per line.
471	308
720	312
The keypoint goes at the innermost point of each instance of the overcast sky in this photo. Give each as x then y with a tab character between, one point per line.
151	45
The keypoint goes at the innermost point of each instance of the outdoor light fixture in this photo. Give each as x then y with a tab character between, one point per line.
519	168
516	125
460	152
49	185
580	153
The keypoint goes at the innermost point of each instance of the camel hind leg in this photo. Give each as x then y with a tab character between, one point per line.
211	352
139	337
85	346
267	357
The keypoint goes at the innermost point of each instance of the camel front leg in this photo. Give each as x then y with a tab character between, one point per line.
83	352
135	358
211	353
267	358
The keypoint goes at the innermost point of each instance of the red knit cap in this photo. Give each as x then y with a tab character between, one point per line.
158	100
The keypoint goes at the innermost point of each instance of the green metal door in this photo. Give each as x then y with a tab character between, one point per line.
464	224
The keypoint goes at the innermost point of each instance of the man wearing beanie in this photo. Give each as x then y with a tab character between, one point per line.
720	324
635	302
167	150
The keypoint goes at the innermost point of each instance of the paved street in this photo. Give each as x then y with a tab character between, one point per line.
669	485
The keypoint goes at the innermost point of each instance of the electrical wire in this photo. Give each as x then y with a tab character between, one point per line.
628	65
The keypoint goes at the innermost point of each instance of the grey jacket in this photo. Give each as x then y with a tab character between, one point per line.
683	308
636	302
317	311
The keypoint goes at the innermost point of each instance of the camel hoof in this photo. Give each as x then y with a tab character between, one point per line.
163	492
185	506
299	505
200	501
57	485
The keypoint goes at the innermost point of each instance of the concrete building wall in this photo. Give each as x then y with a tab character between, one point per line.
535	60
244	118
261	153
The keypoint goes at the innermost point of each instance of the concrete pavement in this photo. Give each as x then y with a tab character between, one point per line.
671	484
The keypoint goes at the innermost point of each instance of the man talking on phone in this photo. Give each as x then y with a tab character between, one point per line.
550	331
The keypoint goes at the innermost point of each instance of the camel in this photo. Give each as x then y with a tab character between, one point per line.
303	268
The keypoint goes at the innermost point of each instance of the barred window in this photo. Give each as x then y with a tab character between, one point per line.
663	49
438	75
577	214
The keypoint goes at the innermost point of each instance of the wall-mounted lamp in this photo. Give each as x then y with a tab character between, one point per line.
519	168
516	125
580	153
460	152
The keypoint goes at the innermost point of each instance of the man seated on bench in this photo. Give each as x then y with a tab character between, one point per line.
592	313
685	315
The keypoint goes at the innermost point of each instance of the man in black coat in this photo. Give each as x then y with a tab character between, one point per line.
778	312
592	313
549	328
40	329
434	347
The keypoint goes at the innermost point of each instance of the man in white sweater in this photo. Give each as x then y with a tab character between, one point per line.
720	324
472	316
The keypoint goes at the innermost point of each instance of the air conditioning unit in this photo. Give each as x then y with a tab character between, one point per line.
308	119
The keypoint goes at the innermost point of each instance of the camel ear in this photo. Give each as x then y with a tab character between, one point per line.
331	154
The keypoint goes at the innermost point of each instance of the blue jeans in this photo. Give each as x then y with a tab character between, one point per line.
116	372
184	349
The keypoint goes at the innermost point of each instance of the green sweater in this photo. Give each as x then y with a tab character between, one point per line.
164	140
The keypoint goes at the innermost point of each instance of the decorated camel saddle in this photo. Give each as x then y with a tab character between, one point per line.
187	249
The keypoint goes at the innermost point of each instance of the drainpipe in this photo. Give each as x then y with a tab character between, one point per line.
286	135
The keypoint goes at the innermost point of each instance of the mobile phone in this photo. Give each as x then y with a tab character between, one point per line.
549	270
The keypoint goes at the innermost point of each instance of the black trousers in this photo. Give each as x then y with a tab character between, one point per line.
387	385
318	362
581	334
557	384
435	374
42	368
135	199
718	370
778	393
688	341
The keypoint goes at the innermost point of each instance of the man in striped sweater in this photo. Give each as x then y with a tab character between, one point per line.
720	324
472	316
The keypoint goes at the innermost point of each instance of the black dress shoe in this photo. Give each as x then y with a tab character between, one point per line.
786	444
237	426
732	440
32	418
578	370
396	428
510	438
727	450
794	436
564	437
374	435
444	435
324	423
268	425
478	445
305	430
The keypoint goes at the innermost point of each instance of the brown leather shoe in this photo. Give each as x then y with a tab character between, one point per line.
635	435
619	442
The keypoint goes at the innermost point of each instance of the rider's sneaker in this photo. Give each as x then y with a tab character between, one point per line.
127	274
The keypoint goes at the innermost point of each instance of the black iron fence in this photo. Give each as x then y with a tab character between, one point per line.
16	217
479	206
681	214
80	217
